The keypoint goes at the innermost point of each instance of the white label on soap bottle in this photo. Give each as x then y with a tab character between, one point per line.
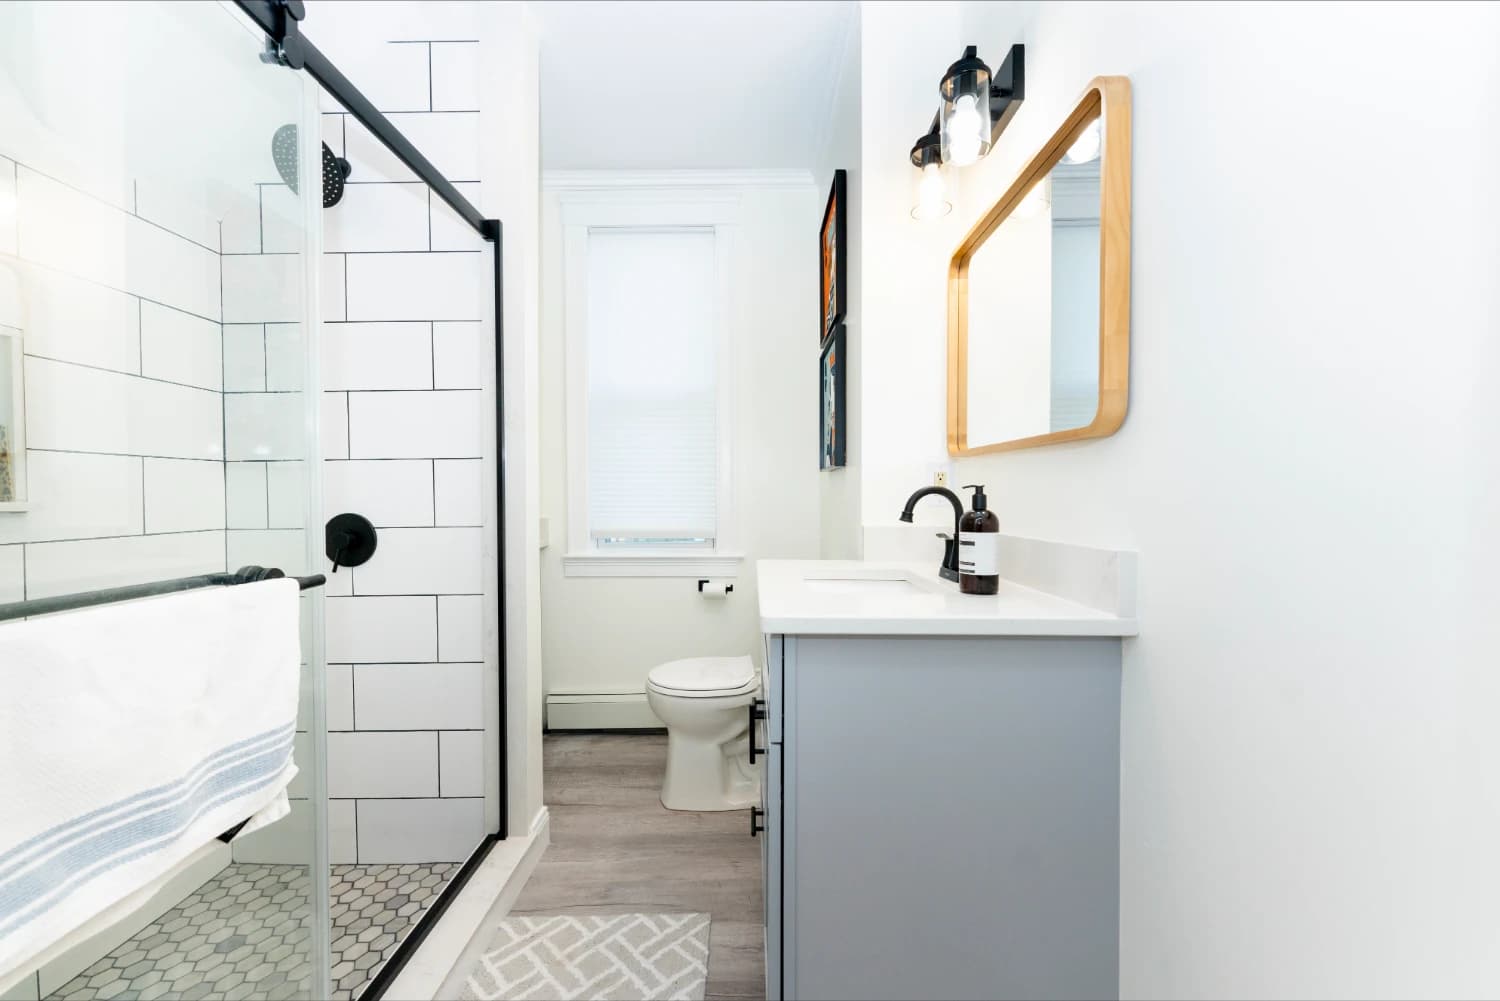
979	553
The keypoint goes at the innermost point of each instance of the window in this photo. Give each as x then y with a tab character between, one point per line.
649	388
652	416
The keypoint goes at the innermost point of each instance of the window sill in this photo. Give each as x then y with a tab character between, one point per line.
715	566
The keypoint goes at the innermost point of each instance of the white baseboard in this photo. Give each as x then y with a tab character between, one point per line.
464	931
600	711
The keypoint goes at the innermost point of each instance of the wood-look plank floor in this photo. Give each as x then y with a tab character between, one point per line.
615	849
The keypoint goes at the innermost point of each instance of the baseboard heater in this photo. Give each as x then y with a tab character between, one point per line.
572	710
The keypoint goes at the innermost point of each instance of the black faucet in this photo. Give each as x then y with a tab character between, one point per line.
949	569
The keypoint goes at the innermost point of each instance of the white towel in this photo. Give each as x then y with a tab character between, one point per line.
130	735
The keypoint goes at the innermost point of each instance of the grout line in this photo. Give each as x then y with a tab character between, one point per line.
438	734
431	41
394	594
260	208
265	360
434	492
128	375
223	400
370	458
466	180
429	76
136	295
432	799
130	212
432	348
346	287
357	253
348	428
437	626
132	535
399	663
126	455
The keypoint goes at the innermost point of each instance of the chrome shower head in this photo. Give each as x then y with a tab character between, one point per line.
335	168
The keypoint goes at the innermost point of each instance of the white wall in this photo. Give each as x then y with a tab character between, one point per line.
1308	470
603	635
838	489
510	164
905	47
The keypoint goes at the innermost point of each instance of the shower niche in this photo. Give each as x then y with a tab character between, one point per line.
12	397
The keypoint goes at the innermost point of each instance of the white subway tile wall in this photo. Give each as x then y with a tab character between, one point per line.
397	831
164	364
405	288
124	371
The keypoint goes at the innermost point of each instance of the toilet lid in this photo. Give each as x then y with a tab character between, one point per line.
704	674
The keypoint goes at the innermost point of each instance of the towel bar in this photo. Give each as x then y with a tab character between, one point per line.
109	595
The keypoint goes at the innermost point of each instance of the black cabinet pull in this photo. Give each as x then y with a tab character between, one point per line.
757	712
755	826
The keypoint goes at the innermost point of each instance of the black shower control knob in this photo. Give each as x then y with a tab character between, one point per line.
349	540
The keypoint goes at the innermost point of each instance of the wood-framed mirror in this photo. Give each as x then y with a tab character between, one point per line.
1039	292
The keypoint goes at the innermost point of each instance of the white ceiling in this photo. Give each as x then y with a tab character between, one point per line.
687	84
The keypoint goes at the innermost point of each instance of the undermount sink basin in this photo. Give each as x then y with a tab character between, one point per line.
862	585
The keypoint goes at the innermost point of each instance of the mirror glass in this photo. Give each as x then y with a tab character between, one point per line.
1033	296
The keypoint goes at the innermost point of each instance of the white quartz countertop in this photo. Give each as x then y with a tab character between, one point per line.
847	597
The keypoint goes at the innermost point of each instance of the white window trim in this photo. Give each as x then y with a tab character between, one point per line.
583	211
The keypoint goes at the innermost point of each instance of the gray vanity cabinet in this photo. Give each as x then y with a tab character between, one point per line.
942	817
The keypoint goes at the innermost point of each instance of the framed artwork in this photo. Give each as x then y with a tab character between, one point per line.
834	427
833	259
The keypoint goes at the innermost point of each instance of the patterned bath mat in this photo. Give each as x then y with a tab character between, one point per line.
640	957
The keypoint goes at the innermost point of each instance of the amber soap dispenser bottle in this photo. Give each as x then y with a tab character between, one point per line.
979	547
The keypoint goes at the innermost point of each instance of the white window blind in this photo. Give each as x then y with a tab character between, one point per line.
652	400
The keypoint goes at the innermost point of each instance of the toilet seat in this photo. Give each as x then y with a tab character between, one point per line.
704	677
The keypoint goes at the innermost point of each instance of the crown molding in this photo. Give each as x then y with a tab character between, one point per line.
627	180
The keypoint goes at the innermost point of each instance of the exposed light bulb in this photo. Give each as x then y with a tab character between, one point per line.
932	200
965	131
1086	146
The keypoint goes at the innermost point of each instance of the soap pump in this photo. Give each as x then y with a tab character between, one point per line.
979	547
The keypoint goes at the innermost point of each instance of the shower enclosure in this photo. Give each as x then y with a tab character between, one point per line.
163	414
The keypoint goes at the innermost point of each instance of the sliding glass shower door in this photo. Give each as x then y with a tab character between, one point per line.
159	415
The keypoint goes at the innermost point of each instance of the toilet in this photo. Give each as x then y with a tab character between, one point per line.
705	703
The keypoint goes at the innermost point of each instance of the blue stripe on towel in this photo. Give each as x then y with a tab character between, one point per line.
26	896
69	830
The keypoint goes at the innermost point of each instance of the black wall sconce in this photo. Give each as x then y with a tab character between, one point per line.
979	104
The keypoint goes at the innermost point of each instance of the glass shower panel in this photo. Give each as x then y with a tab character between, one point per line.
157	284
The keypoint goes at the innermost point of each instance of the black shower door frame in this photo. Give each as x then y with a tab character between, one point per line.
279	19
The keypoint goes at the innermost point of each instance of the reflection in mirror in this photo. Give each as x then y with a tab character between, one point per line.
1039	292
1034	312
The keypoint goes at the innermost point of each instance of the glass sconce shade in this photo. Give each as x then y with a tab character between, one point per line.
965	114
930	195
931	200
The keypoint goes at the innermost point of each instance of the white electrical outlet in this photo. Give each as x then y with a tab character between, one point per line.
940	478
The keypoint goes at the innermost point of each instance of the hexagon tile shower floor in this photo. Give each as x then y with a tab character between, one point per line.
243	934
